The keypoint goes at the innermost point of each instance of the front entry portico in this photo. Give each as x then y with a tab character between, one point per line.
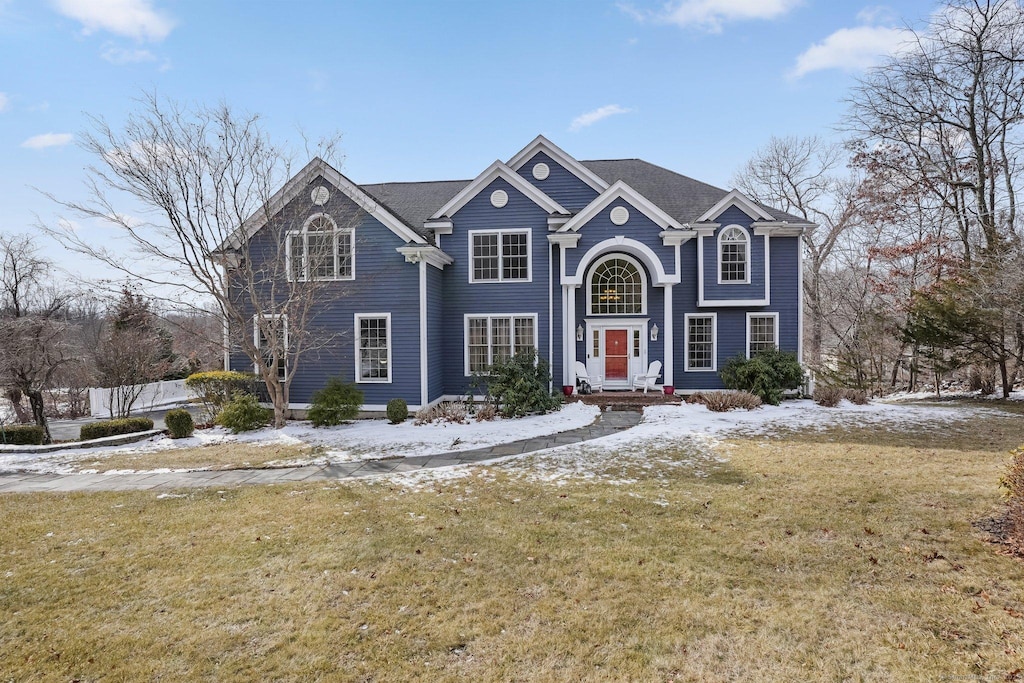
609	331
616	349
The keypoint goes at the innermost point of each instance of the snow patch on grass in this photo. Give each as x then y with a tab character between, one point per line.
359	440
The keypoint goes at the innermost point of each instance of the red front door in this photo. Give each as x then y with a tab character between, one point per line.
616	355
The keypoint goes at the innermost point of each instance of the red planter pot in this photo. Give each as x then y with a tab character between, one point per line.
567	390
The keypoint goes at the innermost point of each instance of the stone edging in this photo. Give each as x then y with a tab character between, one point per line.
116	440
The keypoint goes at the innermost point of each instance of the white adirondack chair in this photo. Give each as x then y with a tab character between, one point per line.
581	374
648	379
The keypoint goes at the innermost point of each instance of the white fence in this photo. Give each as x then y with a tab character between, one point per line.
150	397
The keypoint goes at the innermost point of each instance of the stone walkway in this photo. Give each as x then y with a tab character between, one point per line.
607	423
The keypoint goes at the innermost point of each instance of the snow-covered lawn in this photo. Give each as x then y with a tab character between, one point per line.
360	440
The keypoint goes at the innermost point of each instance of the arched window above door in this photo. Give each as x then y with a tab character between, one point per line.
617	287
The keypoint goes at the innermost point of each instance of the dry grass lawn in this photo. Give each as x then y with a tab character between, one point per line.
832	558
220	456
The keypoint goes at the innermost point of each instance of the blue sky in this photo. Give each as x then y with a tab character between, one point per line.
437	90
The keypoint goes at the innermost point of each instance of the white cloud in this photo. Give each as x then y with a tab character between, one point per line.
119	55
852	49
131	18
877	14
5	102
710	15
48	140
592	117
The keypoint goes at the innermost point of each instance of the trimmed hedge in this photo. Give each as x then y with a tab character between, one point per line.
215	388
336	403
398	410
22	435
243	413
179	423
124	425
767	375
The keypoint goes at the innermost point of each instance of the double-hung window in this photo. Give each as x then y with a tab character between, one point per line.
762	332
733	256
494	338
499	255
373	347
270	334
700	342
321	251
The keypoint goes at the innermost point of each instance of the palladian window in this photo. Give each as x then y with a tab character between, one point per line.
320	251
616	288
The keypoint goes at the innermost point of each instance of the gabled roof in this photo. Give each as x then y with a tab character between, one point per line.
740	201
681	197
298	183
542	144
621	190
405	207
415	203
498	170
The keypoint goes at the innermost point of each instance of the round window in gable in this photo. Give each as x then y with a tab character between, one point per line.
499	198
320	195
620	215
541	171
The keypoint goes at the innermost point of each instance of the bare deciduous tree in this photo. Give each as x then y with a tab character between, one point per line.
33	344
207	174
940	128
948	115
802	176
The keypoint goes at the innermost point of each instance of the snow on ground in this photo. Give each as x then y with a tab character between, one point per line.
668	437
686	436
359	440
951	394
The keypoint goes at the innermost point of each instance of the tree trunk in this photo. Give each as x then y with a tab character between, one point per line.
817	324
35	400
1005	375
276	393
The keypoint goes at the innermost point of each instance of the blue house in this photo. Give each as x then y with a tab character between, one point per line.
613	263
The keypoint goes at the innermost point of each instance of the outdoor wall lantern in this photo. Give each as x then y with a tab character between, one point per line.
654	332
579	333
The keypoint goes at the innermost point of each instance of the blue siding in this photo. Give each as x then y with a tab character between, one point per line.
437	341
785	289
384	283
732	322
716	292
462	297
561	184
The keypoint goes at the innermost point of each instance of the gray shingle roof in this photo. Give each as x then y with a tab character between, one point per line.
682	197
414	203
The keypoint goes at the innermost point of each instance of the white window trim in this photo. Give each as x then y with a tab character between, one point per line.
304	232
491	316
714	341
590	283
364	316
762	315
746	256
501	266
256	339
